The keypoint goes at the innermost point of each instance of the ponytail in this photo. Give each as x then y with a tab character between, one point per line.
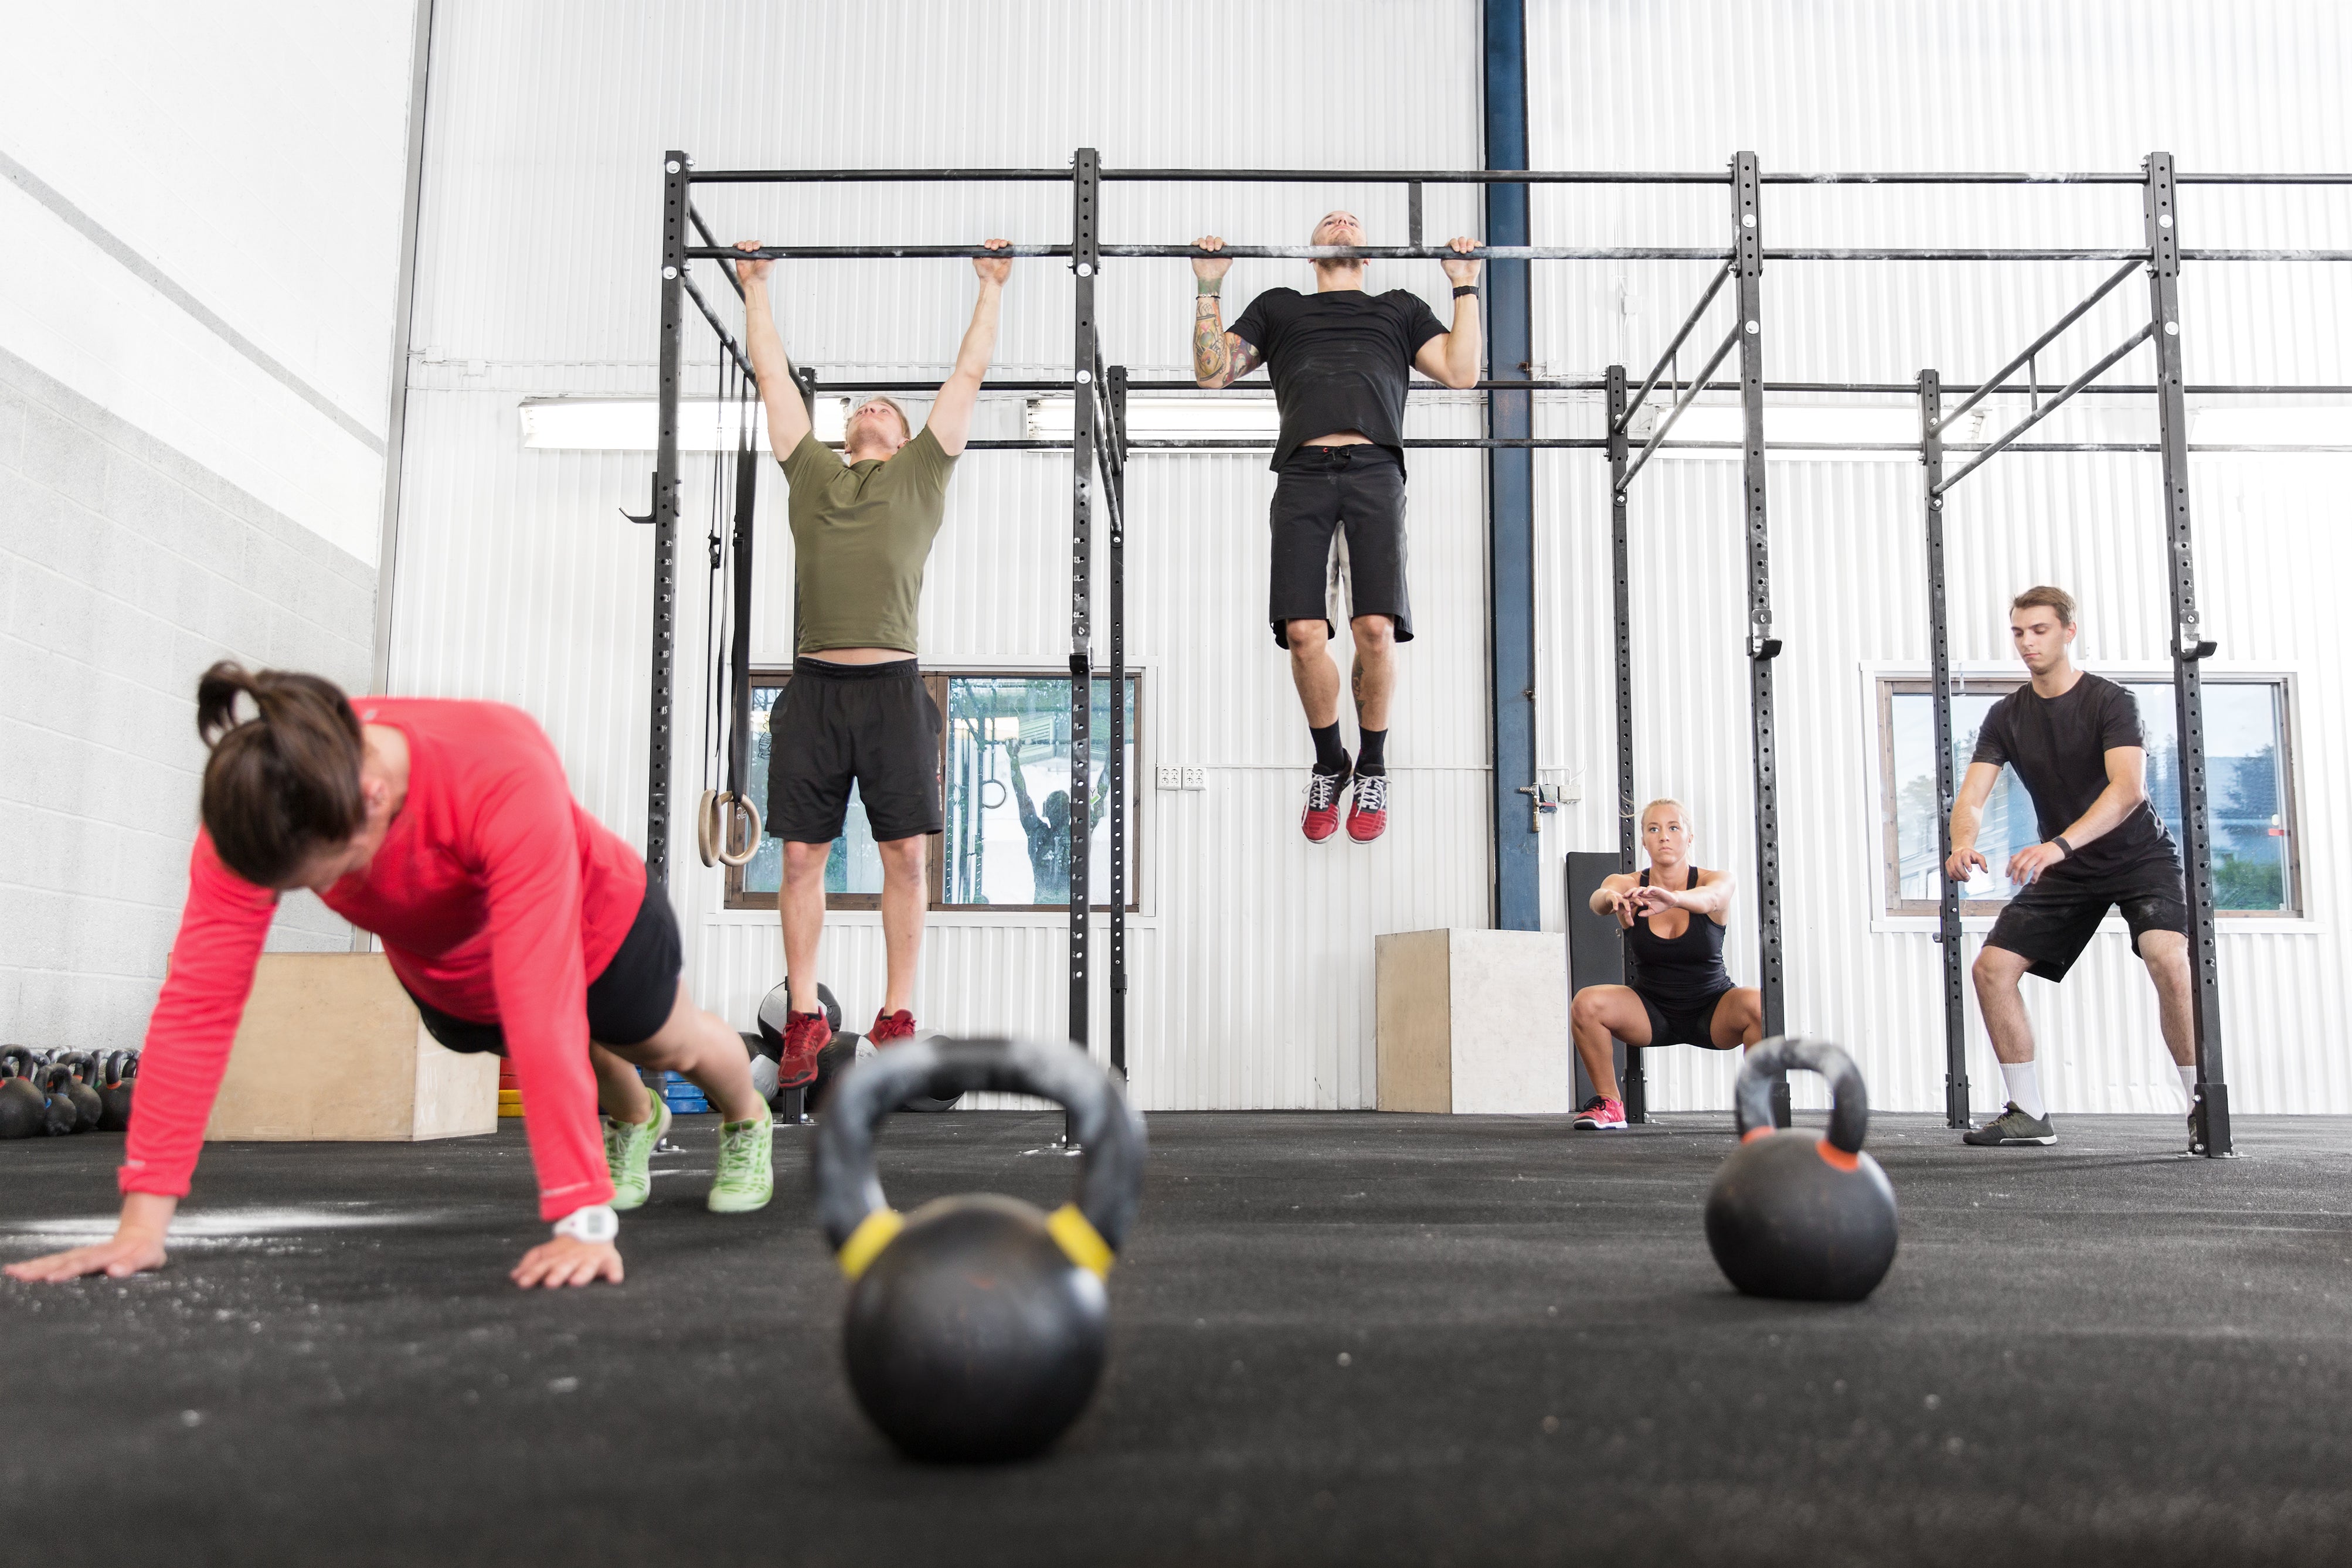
284	783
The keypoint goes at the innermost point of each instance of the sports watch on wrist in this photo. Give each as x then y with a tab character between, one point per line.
596	1223
1461	289
2064	848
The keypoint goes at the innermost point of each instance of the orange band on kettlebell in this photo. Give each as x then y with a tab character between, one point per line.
874	1232
1077	1238
1753	1133
1836	1158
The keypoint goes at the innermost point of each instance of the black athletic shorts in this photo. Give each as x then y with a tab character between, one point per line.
873	724
1692	1025
627	1002
1320	490
2050	923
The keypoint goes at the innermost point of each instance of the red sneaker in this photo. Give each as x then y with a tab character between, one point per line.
891	1027
805	1034
1601	1116
1321	817
1368	811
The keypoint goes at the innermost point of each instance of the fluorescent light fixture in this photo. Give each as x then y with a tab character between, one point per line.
1831	432
632	424
1225	417
2256	424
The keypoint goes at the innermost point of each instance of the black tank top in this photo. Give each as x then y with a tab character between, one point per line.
1682	971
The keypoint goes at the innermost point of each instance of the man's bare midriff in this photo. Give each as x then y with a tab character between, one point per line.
1345	438
859	655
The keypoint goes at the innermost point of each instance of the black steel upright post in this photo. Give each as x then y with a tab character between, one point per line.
2210	1118
1939	681
1086	260
1747	258
1634	1084
662	699
1115	492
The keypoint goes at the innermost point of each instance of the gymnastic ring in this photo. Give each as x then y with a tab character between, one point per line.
985	803
733	808
707	827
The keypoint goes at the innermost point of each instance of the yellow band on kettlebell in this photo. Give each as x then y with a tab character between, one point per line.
1076	1236
874	1232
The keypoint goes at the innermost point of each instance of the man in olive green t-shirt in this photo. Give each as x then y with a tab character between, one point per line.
855	708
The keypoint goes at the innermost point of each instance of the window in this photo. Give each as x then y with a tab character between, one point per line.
1005	754
2248	775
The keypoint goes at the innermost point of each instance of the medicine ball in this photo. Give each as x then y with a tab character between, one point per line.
1794	1214
777	1005
976	1326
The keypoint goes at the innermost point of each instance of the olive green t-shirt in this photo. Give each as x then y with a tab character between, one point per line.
861	533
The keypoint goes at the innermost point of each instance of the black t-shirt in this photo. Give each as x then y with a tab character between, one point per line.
1339	359
2059	746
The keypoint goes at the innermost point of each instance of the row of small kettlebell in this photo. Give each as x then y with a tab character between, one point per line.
56	1093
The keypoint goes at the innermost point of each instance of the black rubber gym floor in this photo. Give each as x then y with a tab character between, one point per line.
1346	1338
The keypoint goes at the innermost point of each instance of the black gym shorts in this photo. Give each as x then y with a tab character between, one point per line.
874	724
1323	488
1684	1026
2050	923
628	1001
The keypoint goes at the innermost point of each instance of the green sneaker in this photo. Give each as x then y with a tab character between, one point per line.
628	1153
746	1178
2012	1126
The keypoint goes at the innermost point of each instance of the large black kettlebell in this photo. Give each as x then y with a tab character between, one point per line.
81	1084
1791	1213
60	1116
977	1325
114	1095
22	1115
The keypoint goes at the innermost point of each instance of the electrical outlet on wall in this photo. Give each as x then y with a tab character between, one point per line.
1196	777
1169	778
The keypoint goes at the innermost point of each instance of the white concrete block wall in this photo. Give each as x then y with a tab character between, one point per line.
125	569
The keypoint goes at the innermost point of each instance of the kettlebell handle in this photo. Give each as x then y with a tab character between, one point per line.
1767	1063
858	1219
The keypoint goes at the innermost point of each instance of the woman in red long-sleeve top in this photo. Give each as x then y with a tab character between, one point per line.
518	924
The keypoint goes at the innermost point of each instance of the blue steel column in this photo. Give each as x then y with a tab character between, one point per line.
1510	486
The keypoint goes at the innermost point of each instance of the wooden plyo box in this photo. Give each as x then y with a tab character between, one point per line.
331	1050
1474	1021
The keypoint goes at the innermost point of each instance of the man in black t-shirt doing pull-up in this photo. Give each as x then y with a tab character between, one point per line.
1339	359
2076	743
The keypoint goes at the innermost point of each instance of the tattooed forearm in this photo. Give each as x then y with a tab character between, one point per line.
1209	358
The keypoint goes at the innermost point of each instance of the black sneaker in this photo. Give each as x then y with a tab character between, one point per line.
2012	1126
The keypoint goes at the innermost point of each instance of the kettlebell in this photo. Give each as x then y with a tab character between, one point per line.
1791	1213
21	1112
60	1114
114	1093
81	1067
977	1325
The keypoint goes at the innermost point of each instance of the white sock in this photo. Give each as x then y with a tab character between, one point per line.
2189	1083
2024	1090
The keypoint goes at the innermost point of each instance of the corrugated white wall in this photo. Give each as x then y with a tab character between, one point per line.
1252	958
1852	85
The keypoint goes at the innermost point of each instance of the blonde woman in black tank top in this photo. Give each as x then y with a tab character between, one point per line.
1673	916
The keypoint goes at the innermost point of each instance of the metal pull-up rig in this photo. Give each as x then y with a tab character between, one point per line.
1099	444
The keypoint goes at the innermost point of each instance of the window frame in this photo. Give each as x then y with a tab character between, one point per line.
936	682
1886	686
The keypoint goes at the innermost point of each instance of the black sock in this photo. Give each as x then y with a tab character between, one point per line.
1372	751
1330	756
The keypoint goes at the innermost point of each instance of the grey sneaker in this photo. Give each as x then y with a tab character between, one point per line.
628	1155
2012	1126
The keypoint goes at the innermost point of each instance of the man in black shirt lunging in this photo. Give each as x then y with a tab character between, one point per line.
2075	741
1339	359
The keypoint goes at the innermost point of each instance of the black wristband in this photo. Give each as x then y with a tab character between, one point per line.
2061	841
1469	289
